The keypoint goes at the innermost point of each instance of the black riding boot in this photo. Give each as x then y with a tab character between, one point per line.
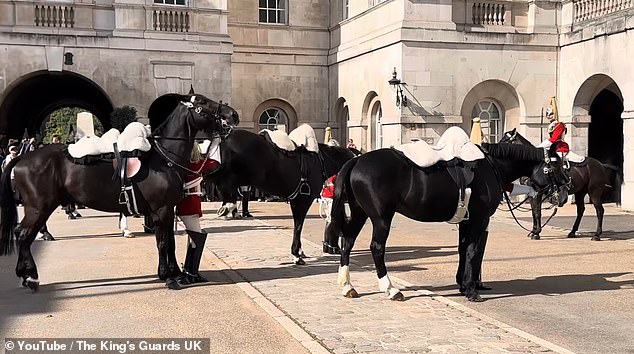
195	250
245	205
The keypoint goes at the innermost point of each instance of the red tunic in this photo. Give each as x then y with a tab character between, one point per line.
190	205
557	132
329	187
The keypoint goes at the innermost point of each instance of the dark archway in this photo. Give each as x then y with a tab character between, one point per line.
28	101
605	133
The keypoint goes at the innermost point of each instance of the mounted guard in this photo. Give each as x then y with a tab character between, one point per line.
557	132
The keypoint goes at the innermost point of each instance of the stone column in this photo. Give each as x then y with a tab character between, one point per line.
627	190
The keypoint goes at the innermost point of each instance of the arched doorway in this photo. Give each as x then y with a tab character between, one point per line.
605	133
27	102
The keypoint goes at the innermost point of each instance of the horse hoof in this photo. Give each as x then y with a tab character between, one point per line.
173	284
398	297
572	235
535	237
299	261
475	298
352	294
33	285
596	238
222	211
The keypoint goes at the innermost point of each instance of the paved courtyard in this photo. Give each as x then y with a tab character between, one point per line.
553	295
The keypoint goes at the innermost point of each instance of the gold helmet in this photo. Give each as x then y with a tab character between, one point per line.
552	108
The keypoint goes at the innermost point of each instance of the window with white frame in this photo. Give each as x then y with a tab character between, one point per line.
346	9
374	2
273	119
273	11
171	2
491	120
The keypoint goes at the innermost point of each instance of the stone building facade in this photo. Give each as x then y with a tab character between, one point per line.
286	62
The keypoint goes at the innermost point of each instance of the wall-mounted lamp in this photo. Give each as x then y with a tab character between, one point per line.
401	99
68	58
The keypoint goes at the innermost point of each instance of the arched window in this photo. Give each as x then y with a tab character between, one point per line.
273	119
491	120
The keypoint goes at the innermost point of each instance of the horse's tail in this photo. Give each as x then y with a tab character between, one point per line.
8	210
615	177
342	193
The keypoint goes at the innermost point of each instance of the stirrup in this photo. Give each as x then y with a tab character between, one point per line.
304	188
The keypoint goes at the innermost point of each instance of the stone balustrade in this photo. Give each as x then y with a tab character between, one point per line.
169	20
489	13
590	9
50	15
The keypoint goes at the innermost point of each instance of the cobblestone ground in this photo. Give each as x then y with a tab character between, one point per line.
310	296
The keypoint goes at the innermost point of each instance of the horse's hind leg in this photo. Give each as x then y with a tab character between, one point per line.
380	232
598	206
350	232
299	207
25	234
579	202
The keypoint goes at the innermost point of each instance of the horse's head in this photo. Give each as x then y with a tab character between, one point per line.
510	137
211	116
551	179
513	137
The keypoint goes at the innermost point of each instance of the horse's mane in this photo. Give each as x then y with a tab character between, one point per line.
340	150
512	151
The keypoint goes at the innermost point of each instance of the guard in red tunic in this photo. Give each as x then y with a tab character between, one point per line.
556	130
189	210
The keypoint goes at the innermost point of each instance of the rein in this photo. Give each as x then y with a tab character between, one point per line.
506	197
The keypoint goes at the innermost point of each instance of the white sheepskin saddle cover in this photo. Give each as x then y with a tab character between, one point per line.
133	137
302	135
576	158
454	143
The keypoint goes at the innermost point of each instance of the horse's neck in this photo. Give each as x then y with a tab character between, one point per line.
510	170
179	149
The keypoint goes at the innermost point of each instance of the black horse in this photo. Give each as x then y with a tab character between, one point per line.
600	181
249	159
47	178
382	182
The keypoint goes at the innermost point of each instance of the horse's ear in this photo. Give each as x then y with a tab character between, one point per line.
513	131
191	89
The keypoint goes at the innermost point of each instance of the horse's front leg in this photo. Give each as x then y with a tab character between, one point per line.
536	210
299	208
168	268
471	255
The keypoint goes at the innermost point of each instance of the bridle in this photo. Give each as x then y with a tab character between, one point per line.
552	189
222	133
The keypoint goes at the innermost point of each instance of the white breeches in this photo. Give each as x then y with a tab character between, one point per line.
519	189
192	222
